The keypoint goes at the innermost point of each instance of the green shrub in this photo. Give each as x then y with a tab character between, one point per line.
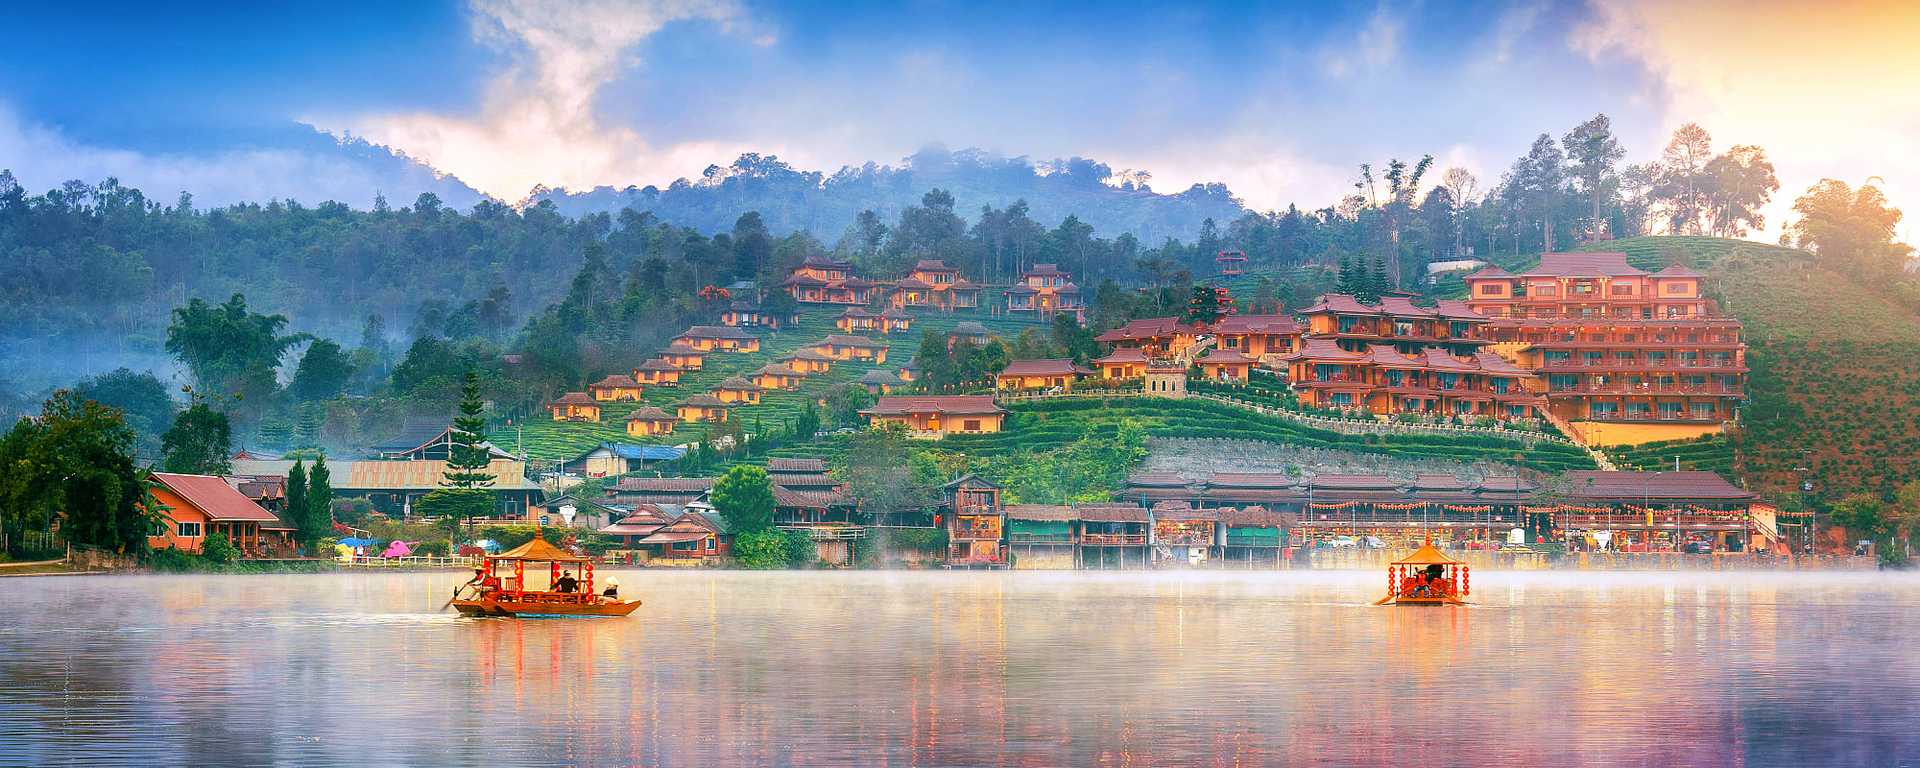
218	550
762	550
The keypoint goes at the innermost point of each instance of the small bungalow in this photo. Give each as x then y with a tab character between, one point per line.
1112	536
1182	535
746	314
1156	336
616	459
842	347
910	370
895	321
696	536
643	521
1262	337
704	407
718	338
683	357
197	506
968	331
880	381
1040	536
736	390
857	320
1055	373
776	376
659	373
1220	364
575	406
1123	363
1045	289
807	361
616	386
650	422
934	417
634	491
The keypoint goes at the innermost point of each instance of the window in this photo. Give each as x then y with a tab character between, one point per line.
1669	410
1546	290
1676	288
1638	410
187	530
1622	289
1491	289
1701	410
970	425
1603	410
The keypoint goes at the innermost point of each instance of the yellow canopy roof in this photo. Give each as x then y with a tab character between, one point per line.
539	551
1426	555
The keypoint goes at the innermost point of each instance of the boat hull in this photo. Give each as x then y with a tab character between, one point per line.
531	608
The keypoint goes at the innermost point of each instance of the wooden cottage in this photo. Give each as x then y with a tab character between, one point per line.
575	406
658	373
196	506
968	331
695	537
932	417
823	280
1040	536
843	347
650	421
880	381
1228	365
1183	535
683	357
1122	364
1112	536
718	338
974	523
932	283
776	376
807	361
895	321
1254	536
858	320
615	387
737	391
704	407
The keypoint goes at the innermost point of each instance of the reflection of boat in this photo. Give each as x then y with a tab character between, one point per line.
1426	577
508	595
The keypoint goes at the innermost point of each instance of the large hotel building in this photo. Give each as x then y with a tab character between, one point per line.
1626	355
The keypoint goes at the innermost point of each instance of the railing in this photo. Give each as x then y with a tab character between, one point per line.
828	532
1384	427
1114	539
1630	389
1252	541
414	561
1637	365
1040	538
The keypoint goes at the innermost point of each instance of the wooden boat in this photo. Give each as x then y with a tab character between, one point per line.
1426	577
508	595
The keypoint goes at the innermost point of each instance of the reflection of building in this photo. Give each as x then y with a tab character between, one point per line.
1627	355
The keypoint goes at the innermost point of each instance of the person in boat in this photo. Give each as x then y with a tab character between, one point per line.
612	592
481	583
566	584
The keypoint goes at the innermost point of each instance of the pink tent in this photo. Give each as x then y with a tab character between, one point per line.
399	549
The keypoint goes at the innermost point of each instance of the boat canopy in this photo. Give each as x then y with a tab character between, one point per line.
538	551
1426	555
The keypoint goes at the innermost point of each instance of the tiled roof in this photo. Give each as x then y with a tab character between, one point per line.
1341	303
704	400
1224	356
1255	517
796	465
1041	512
1677	270
1124	355
953	404
1455	309
1180	510
1134	330
1317	348
1043	270
664	484
715	332
1493	363
881	376
1584	265
1111	513
1239	324
1598	485
1050	367
658	365
785	496
1401	306
615	380
213	496
1251	480
1353	482
1156	480
1489	271
1439	360
575	398
737	384
806	353
932	265
857	312
843	340
968	328
776	369
649	413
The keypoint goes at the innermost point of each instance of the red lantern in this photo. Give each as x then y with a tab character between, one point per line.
1466	580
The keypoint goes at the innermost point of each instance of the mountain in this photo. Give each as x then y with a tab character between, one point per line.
793	200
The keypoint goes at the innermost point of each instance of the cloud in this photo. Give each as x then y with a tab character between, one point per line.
1372	50
1512	27
43	157
1827	89
537	123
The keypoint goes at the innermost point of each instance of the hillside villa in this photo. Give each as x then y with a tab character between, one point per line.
968	331
824	280
656	372
807	360
881	381
650	421
1266	338
746	314
843	347
737	391
1058	373
616	386
1046	290
776	376
932	283
718	338
1626	356
574	406
1121	364
933	417
1153	336
703	407
1221	364
684	358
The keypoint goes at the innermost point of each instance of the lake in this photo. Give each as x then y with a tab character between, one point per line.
965	669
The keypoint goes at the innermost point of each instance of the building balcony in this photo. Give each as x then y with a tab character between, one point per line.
1642	365
1040	538
1114	539
1623	388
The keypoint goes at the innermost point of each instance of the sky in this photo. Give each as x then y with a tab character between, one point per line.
1280	101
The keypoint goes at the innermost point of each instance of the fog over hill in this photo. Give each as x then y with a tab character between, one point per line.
794	200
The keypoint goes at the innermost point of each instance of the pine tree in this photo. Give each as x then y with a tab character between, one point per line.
1382	282
467	457
317	519
296	500
1346	284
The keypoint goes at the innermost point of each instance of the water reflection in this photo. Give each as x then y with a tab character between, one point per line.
932	669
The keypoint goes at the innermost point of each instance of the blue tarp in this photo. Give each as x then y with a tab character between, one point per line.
646	452
356	542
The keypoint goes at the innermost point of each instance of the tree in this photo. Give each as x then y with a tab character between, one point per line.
1683	181
199	443
1862	514
323	371
1592	153
1741	182
1850	229
295	499
75	463
878	476
1538	183
845	402
229	349
468	456
316	520
744	496
1204	306
140	397
457	503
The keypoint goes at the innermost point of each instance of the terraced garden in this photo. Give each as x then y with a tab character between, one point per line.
1713	453
1049	424
552	441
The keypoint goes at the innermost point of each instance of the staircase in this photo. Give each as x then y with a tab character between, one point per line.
1599	459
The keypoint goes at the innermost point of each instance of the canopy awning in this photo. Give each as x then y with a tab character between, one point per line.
539	551
1426	555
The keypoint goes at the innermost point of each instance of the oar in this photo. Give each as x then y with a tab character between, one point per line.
456	594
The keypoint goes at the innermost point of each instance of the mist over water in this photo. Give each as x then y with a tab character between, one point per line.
735	668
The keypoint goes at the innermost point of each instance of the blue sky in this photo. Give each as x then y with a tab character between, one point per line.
1281	101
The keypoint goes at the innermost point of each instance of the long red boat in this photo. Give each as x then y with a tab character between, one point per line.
507	594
